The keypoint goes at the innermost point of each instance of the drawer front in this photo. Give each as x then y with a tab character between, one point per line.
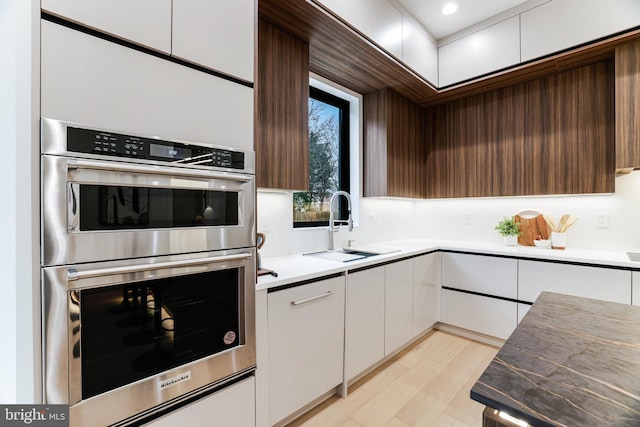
483	274
584	281
490	316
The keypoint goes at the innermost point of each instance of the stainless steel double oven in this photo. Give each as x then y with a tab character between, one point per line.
148	271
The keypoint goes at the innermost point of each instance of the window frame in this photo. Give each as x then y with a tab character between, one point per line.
344	161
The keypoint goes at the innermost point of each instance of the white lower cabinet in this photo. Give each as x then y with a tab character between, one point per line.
489	316
364	323
522	310
233	406
635	288
306	344
398	321
606	284
426	292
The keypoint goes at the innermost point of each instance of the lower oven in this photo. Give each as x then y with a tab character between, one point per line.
130	338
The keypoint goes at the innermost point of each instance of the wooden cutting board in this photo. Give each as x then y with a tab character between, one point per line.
531	228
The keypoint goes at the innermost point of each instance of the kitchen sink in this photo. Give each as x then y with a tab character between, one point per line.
343	255
634	256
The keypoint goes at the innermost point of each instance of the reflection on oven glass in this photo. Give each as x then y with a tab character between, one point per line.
139	329
117	207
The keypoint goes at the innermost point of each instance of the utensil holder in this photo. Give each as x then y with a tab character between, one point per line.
558	240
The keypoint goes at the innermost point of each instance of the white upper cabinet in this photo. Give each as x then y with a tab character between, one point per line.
218	34
418	52
145	22
91	81
377	19
561	24
482	52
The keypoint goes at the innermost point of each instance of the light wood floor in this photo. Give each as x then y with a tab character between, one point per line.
426	385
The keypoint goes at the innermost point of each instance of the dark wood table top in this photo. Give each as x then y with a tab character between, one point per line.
571	362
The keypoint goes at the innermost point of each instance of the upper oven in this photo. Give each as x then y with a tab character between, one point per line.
108	195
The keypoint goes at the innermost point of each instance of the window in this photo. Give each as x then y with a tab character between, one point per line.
328	160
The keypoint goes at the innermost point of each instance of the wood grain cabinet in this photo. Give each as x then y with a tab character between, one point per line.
627	107
553	135
394	149
282	112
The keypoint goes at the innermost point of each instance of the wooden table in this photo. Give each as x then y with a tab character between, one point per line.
571	362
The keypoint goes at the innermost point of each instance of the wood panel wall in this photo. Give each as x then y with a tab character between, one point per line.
628	106
281	116
394	150
553	135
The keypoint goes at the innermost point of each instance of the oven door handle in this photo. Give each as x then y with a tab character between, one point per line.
73	274
158	170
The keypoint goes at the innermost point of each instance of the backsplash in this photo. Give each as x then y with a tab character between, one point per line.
459	219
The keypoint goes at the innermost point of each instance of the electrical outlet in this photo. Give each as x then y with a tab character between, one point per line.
602	220
373	218
265	223
468	218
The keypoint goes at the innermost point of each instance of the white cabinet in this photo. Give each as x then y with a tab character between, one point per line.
91	81
419	52
145	22
364	323
522	310
484	51
398	321
233	406
217	34
483	274
585	281
306	344
561	24
490	316
426	292
635	290
377	19
494	278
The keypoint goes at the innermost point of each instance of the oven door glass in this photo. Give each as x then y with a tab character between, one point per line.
105	207
133	331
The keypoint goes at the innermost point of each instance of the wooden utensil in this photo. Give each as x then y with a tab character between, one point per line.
571	219
550	223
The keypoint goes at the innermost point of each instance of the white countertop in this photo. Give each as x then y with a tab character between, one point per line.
297	268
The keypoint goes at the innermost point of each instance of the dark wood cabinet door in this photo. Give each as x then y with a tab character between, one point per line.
627	99
282	118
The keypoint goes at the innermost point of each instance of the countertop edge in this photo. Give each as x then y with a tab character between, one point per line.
297	268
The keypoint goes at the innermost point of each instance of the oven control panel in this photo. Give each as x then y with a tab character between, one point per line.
91	141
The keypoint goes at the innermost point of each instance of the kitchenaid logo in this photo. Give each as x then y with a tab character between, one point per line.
175	380
41	415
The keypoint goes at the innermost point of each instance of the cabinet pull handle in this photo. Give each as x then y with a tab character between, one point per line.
302	301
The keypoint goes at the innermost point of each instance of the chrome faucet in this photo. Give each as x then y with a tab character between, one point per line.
332	221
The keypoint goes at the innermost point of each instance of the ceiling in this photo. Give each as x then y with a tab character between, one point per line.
470	12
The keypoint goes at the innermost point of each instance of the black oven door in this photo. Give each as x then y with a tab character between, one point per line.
137	334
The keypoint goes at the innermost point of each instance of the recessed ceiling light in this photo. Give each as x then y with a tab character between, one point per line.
450	7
